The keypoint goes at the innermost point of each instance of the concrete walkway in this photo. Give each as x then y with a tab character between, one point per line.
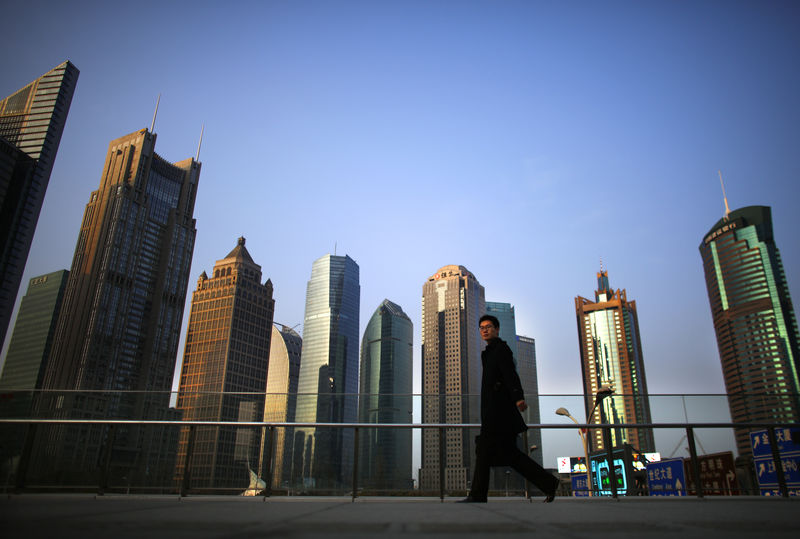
150	517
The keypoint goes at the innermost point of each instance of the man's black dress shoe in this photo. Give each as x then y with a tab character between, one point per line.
470	499
550	497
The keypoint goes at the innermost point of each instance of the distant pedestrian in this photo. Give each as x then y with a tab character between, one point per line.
502	400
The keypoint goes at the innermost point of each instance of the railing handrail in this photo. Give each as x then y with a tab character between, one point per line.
262	393
191	425
669	425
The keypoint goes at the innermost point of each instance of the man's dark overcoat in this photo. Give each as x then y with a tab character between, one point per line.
500	392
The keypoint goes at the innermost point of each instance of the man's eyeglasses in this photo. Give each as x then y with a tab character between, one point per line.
486	327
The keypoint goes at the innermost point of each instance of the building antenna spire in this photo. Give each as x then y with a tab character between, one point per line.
601	264
202	128
724	196
153	125
334	248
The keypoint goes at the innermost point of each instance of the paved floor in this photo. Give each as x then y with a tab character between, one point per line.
200	517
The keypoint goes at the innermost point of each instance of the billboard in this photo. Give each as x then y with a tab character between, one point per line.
572	465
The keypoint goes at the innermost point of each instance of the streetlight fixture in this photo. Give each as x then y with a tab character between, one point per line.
565	413
603	392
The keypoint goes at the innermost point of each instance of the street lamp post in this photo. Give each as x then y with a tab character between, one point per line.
602	393
565	412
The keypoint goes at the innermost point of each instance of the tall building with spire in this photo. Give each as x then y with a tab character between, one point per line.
385	389
754	319
281	402
32	121
224	371
118	331
452	302
611	355
327	389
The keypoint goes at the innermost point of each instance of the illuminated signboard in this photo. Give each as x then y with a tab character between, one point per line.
571	464
629	466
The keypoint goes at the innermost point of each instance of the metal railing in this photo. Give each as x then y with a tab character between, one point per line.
268	432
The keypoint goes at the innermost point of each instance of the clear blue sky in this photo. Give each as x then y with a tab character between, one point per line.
524	140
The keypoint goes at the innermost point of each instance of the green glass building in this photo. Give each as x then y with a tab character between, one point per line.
385	397
26	359
754	319
33	332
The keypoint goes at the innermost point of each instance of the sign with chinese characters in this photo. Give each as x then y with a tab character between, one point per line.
580	487
717	474
666	478
789	451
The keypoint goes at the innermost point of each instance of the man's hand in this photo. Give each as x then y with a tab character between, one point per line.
522	405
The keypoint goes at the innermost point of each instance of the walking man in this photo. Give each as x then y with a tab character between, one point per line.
502	401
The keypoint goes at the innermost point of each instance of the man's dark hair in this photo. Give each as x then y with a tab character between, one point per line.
493	319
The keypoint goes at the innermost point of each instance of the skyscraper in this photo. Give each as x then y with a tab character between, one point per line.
27	356
754	319
528	376
118	331
224	371
328	384
31	123
452	302
385	397
611	355
33	332
281	402
504	312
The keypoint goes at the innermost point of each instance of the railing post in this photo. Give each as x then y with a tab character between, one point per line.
528	453
698	484
612	473
776	459
187	468
441	463
355	463
268	462
103	486
25	457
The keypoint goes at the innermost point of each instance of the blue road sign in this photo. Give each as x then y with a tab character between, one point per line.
787	444
666	478
789	452
580	487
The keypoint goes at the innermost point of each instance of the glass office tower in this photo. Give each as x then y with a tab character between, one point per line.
224	371
27	356
529	377
754	319
611	355
118	331
33	332
328	384
281	402
385	397
452	303
31	123
508	323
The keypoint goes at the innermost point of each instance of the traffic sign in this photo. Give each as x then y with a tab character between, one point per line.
788	441
580	487
666	478
717	474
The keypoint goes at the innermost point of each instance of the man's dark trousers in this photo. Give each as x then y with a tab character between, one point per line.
502	450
